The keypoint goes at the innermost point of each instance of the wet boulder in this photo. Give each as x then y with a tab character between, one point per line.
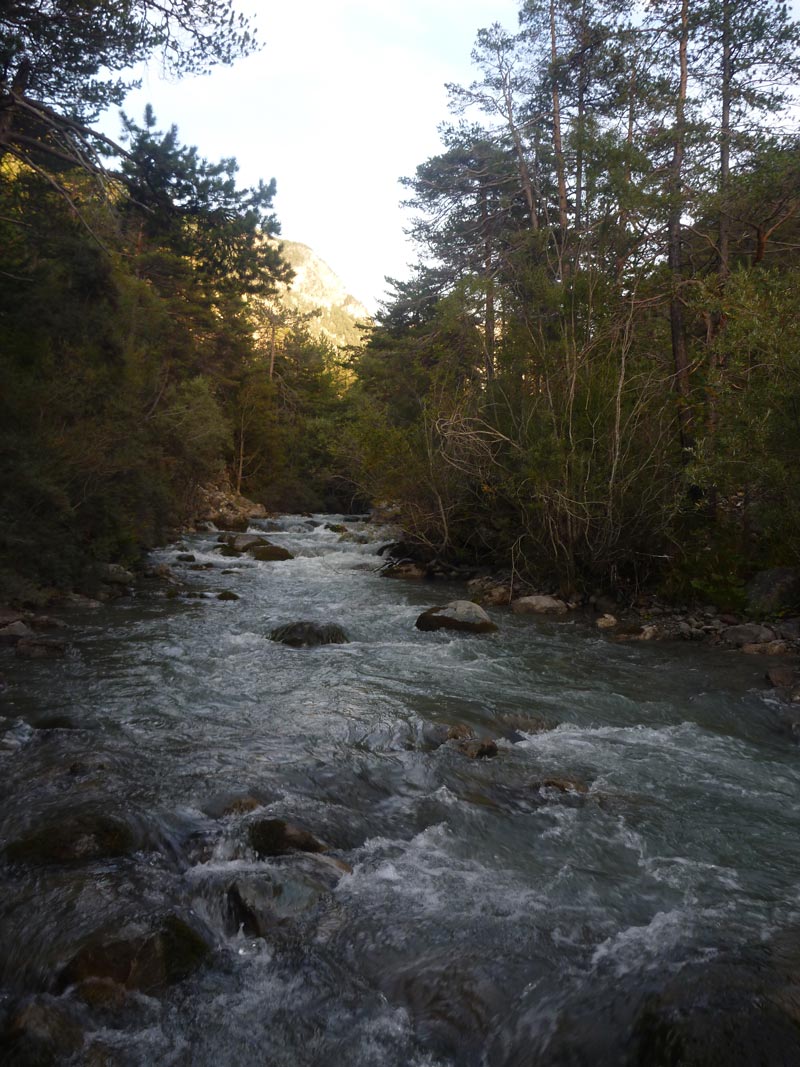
606	622
459	615
269	553
782	677
186	557
243	542
477	749
223	805
305	634
768	648
539	605
257	902
788	724
748	633
14	632
732	1014
115	574
526	724
275	837
77	838
40	648
230	521
161	572
560	786
38	1033
147	962
226	594
497	594
405	569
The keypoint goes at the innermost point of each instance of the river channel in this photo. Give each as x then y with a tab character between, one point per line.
644	908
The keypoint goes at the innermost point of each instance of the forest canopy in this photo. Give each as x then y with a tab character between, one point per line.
594	373
591	375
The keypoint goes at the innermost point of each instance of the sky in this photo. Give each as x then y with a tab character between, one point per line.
344	98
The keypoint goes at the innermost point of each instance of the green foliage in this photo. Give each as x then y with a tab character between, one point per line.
574	382
69	53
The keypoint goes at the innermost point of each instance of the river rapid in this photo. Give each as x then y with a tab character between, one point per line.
467	915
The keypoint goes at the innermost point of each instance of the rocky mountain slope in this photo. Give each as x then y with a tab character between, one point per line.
317	288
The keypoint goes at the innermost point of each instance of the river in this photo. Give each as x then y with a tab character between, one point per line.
647	901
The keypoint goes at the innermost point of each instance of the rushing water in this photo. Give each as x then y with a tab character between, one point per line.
485	921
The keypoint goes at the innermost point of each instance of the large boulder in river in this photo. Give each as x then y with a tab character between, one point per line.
75	838
773	591
539	605
305	634
457	615
146	962
269	553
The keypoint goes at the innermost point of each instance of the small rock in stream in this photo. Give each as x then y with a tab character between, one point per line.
477	749
226	594
228	552
781	677
275	837
40	648
560	785
405	569
39	1033
258	902
459	615
305	634
539	605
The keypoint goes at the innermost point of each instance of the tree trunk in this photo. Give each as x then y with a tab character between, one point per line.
557	142
489	321
725	147
522	163
680	353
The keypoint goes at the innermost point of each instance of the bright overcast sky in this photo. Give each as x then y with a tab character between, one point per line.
343	100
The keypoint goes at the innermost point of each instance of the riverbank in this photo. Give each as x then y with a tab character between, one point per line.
641	617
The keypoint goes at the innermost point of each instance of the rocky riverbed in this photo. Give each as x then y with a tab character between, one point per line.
253	812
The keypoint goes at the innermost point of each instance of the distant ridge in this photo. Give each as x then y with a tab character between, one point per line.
318	288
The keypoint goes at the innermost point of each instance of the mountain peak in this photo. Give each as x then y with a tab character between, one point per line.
316	287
